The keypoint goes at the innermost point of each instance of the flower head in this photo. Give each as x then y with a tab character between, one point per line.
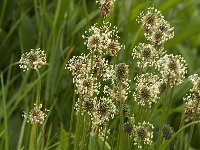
146	54
101	68
143	134
105	109
146	89
149	18
192	105
113	47
126	110
157	30
195	79
106	7
36	115
128	128
172	68
34	59
87	87
114	92
88	105
78	65
99	128
121	72
167	131
161	33
103	39
162	86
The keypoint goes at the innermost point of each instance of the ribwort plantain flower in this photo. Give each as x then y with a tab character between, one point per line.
78	65
113	47
105	7
100	68
103	39
99	128
128	128
146	89
195	79
121	72
88	105
146	54
126	110
172	68
34	59
162	86
87	87
114	92
161	33
36	115
167	131
104	109
143	134
149	19
192	105
157	30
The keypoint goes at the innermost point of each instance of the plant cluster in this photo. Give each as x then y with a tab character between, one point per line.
110	114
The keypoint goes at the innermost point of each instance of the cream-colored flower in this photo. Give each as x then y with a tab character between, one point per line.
34	59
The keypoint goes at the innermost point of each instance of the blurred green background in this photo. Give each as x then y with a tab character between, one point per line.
57	26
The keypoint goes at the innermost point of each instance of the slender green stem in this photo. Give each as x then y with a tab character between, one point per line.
77	132
104	139
162	119
92	142
192	128
152	111
3	12
169	103
71	120
38	88
91	63
176	134
85	129
128	143
114	61
19	144
115	131
86	11
121	137
141	113
180	126
138	114
33	138
5	114
37	5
